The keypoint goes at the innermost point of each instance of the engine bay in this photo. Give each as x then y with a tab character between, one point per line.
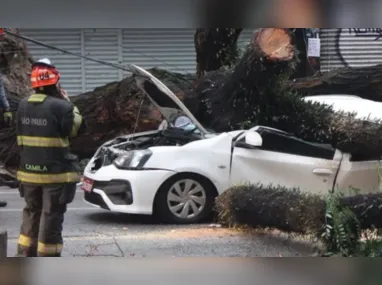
167	137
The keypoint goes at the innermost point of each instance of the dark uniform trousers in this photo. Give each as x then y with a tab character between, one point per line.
43	217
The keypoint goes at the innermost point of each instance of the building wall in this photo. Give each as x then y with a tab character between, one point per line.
172	49
67	39
350	47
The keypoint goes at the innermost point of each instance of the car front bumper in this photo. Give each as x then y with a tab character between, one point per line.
125	191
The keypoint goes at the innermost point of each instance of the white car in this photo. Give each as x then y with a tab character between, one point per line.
176	172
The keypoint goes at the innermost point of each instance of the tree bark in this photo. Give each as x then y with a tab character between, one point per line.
365	82
3	244
15	65
215	48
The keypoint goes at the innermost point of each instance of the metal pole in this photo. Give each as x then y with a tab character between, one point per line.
3	244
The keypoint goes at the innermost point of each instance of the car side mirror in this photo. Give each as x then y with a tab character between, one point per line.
253	139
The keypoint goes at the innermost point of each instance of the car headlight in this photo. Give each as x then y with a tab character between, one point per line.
133	159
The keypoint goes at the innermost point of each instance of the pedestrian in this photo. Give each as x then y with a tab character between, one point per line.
47	173
4	105
7	115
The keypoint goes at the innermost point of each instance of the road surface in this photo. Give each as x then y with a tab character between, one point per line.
90	231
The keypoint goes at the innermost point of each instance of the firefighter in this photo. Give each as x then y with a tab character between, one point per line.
47	173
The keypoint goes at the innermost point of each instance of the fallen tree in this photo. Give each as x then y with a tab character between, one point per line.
252	93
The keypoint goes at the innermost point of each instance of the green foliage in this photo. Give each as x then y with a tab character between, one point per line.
342	229
271	206
343	236
229	56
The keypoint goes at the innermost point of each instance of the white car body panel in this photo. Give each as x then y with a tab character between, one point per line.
349	103
211	158
361	174
144	183
307	173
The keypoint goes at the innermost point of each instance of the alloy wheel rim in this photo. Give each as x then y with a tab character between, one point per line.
186	199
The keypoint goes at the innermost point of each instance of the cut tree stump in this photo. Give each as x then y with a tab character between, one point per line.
3	244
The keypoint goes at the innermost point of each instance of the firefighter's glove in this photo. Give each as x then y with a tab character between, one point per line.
8	118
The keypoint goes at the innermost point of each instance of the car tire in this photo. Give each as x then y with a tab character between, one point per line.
200	190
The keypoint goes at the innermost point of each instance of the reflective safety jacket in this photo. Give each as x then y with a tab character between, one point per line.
44	125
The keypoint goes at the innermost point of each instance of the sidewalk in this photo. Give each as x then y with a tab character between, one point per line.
201	242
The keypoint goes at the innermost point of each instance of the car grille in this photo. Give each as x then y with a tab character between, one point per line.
95	199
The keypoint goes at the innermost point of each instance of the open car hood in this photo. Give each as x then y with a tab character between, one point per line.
162	97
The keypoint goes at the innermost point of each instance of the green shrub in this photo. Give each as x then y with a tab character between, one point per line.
342	228
336	220
271	206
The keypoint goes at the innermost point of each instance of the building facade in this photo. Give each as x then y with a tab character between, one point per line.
171	49
350	47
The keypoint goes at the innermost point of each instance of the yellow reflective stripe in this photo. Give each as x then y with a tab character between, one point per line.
37	98
25	241
77	121
49	248
48	178
42	141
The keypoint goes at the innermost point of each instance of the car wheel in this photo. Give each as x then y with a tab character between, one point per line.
185	199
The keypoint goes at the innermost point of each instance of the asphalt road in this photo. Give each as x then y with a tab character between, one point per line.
90	231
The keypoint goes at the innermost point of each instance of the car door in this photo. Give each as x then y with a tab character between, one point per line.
359	176
284	163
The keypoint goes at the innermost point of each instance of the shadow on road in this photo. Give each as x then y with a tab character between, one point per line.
122	219
119	218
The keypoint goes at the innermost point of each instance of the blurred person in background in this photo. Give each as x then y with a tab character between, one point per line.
7	115
4	105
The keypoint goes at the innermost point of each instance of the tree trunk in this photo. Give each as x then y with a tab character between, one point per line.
15	63
215	48
3	244
231	99
365	82
300	43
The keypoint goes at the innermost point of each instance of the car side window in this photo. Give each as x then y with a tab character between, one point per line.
285	143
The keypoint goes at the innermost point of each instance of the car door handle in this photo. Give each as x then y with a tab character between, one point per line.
322	171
